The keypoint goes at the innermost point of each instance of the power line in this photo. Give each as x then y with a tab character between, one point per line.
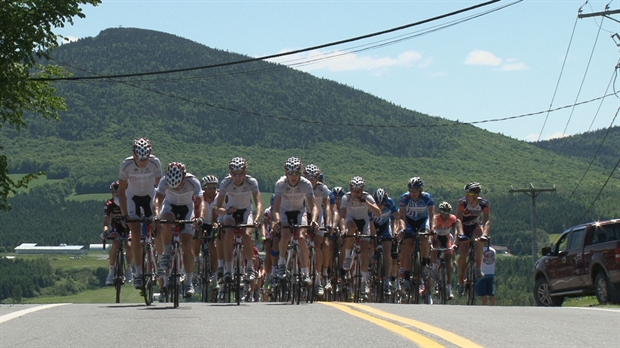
75	78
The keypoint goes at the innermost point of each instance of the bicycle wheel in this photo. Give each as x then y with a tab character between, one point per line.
442	283
311	289
238	273
416	279
205	275
470	283
379	279
120	273
357	279
148	272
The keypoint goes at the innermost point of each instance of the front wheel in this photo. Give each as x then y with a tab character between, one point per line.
542	294
119	277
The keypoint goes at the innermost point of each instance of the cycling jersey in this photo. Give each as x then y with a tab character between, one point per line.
356	210
445	227
387	214
472	214
208	217
113	211
293	197
179	201
321	192
140	181
239	197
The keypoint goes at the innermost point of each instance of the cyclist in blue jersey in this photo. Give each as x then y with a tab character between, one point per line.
383	227
416	214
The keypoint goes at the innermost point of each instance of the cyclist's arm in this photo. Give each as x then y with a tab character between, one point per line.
374	209
106	224
259	206
311	201
221	198
328	212
486	223
431	217
159	199
402	214
275	210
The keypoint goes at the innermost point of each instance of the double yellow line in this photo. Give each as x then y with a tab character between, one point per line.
356	309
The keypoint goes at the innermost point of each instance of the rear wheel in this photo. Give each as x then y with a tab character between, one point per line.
602	288
470	283
416	280
442	284
238	273
312	287
148	272
205	276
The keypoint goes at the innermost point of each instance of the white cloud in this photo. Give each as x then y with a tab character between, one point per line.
485	58
479	57
344	61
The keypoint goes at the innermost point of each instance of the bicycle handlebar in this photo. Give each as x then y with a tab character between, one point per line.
239	226
175	221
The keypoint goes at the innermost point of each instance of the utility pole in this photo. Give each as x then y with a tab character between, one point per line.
533	192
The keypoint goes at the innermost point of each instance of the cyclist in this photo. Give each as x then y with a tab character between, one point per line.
447	228
112	227
294	197
321	195
355	209
174	201
416	213
234	204
270	244
209	187
475	213
383	227
137	178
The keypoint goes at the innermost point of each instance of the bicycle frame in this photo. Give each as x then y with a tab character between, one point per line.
120	265
175	275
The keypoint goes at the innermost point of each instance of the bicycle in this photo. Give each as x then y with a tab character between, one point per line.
377	272
238	259
333	292
419	284
204	272
442	280
149	262
293	263
470	272
175	275
355	290
120	238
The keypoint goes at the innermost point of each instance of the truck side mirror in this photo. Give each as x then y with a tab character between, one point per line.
545	251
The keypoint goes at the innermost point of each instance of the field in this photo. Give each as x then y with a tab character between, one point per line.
41	180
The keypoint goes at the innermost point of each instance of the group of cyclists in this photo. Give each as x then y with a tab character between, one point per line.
145	191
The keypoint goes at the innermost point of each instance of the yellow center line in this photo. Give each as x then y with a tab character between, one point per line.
418	339
446	335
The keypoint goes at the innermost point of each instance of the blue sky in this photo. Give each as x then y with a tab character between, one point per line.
502	64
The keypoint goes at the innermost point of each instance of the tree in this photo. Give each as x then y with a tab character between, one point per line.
26	38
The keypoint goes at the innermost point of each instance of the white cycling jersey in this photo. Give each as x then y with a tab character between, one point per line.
208	217
293	197
140	181
239	197
356	210
183	196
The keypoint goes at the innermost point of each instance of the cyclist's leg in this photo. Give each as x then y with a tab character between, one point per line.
248	244
479	247
285	238
228	246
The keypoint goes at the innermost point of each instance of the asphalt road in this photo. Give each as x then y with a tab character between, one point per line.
305	325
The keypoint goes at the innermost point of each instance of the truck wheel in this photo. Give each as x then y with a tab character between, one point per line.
602	288
542	294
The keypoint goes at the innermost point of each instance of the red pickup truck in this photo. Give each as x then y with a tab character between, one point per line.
584	261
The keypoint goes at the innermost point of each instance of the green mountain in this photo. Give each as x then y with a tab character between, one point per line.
267	113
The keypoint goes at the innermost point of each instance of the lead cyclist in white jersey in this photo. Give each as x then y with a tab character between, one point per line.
175	201
239	188
294	196
137	178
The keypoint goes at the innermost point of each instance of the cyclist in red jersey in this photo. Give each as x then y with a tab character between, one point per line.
112	226
475	214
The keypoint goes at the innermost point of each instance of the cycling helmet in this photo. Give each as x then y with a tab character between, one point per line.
238	163
142	148
380	196
175	174
415	182
293	164
357	182
209	179
114	186
338	192
445	208
473	187
312	171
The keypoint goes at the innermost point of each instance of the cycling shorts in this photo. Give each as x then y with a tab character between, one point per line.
180	212
134	203
385	230
414	227
485	286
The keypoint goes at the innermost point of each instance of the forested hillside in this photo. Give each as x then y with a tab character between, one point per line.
267	113
601	145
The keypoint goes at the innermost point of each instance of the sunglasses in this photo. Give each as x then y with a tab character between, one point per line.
471	193
294	173
238	174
